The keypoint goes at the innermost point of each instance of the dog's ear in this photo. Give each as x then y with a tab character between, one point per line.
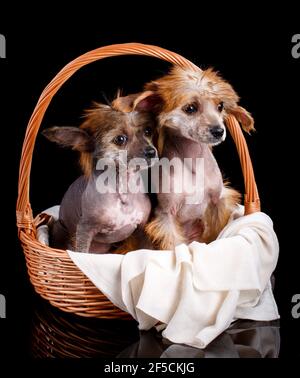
72	137
147	101
244	117
125	103
152	86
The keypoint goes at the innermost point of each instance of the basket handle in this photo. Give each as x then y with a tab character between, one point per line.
24	212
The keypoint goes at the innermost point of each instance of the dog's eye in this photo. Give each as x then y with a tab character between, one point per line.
148	132
120	140
190	108
221	106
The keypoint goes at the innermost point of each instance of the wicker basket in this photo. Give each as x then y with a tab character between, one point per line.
52	273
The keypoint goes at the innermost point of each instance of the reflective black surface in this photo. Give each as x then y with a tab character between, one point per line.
55	334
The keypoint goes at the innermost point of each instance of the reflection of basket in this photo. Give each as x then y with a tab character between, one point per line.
56	334
51	271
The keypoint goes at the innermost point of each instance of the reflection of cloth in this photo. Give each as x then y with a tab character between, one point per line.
256	339
242	340
196	291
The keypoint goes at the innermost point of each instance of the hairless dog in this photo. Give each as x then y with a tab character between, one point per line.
96	213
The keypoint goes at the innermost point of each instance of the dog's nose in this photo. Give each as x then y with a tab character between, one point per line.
217	131
150	152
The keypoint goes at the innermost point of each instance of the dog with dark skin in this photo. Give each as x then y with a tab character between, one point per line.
91	220
191	109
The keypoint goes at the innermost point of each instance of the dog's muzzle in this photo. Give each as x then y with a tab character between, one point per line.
150	152
217	132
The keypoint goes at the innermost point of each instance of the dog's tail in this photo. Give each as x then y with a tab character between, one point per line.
164	231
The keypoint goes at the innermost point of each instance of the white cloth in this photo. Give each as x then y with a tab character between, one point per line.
43	230
197	290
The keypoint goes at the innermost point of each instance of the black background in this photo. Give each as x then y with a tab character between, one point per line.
253	54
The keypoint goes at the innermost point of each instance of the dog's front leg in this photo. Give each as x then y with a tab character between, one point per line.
164	231
84	236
